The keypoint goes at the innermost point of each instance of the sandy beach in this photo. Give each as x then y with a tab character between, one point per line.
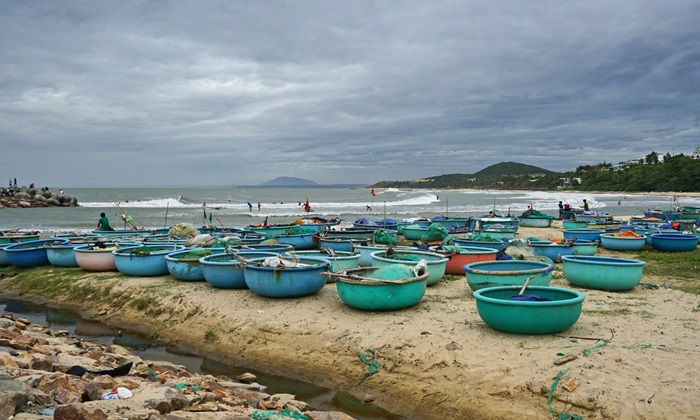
635	352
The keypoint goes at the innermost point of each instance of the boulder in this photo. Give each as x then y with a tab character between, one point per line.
13	395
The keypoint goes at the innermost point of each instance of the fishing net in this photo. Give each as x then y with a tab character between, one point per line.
484	237
519	249
183	230
393	272
277	415
383	237
201	241
195	254
436	233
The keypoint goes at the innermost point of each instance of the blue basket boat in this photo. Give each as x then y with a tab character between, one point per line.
225	271
622	243
584	233
602	273
300	241
144	261
3	255
184	265
306	278
30	253
507	273
671	242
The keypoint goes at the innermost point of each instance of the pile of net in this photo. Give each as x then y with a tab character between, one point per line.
183	230
396	272
201	241
436	233
381	236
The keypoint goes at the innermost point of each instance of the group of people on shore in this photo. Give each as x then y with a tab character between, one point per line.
567	207
12	188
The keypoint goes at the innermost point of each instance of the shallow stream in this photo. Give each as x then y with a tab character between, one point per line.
149	349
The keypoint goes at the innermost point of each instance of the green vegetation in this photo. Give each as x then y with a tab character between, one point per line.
651	174
680	269
210	336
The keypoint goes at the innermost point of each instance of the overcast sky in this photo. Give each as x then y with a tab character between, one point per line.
148	93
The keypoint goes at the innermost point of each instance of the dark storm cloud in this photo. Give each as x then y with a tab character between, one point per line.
182	92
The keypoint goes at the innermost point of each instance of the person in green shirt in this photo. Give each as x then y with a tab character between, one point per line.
103	223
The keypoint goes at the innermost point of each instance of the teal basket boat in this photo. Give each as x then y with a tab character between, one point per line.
602	273
358	289
558	314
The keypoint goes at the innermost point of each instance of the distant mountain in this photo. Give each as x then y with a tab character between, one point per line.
484	178
288	181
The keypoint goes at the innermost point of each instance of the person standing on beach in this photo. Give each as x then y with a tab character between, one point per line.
561	210
585	205
103	223
258	206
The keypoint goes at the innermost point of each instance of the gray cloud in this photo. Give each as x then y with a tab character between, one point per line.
216	92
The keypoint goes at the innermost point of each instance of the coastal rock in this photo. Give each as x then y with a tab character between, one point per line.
246	378
13	395
78	412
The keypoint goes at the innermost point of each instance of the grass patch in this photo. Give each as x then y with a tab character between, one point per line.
610	312
680	269
210	336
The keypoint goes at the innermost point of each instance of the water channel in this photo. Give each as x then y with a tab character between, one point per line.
149	349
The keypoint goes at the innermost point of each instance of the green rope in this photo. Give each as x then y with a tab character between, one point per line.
373	364
595	348
564	415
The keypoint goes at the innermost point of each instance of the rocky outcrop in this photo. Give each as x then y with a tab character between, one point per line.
31	197
49	372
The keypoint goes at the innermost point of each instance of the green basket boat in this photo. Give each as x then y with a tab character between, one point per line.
358	289
557	314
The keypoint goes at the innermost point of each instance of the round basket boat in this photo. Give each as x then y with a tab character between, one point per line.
184	264
338	260
436	262
299	241
274	248
459	256
559	313
497	245
366	251
145	260
414	232
96	257
556	250
358	289
602	273
622	243
672	242
17	237
588	234
3	255
339	244
225	271
572	224
30	253
507	273
61	255
306	278
651	231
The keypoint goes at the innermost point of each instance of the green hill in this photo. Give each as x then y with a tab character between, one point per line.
485	178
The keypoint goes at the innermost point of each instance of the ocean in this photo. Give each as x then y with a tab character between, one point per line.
228	207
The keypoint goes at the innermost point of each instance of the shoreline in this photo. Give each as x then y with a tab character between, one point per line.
436	358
